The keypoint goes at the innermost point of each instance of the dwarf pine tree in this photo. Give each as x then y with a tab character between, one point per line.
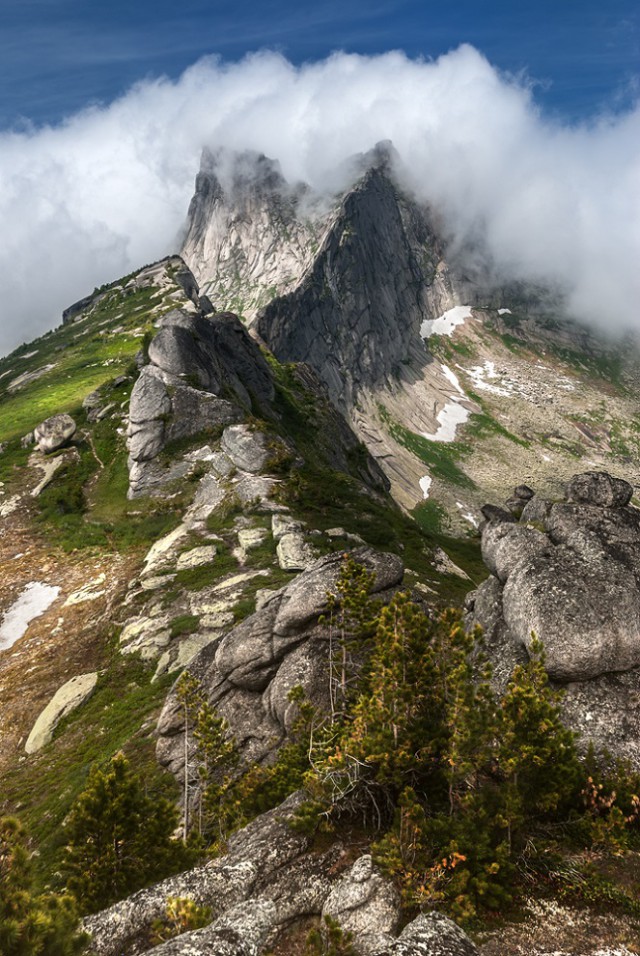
119	839
31	925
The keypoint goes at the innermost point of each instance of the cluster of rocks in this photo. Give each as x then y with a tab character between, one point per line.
203	373
268	880
249	672
567	572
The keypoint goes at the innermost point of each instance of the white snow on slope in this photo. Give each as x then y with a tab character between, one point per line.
452	377
480	373
449	418
425	484
504	311
34	601
445	324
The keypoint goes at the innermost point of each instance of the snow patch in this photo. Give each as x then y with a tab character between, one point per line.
34	601
448	419
504	312
479	375
445	324
467	515
425	484
452	378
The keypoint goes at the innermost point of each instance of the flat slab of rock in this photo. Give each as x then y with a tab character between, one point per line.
65	700
54	432
197	557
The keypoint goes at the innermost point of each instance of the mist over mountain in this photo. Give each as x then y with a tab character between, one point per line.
108	189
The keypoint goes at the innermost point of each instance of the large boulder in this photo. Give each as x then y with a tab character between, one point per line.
65	700
430	934
568	574
54	432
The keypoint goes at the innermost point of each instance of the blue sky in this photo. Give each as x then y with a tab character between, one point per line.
57	56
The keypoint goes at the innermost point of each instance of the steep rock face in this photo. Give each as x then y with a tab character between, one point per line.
569	573
203	372
356	315
250	234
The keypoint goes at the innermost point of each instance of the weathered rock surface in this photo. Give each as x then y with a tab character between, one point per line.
294	552
204	372
257	857
431	934
249	673
365	904
569	573
373	282
54	432
65	700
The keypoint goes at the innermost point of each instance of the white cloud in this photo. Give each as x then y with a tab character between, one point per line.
107	191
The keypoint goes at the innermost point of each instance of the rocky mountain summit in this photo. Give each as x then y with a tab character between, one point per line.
189	463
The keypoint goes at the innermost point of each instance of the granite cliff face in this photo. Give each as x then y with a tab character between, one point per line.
249	233
356	314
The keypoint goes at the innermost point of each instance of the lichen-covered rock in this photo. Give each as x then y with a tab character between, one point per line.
365	904
256	858
505	545
54	432
569	572
599	488
294	552
430	934
65	700
247	449
241	931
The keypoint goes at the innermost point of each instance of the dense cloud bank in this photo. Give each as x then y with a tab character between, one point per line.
107	191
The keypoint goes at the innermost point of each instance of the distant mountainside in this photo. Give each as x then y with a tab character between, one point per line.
189	463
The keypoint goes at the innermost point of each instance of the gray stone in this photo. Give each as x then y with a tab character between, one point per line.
145	440
306	597
250	672
177	351
149	397
196	557
256	858
430	934
599	488
536	511
65	700
284	524
524	492
496	514
365	904
294	552
248	450
505	545
54	432
587	614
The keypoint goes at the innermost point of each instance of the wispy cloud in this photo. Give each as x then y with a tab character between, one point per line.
108	190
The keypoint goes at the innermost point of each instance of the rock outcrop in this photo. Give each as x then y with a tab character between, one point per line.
268	880
248	674
203	373
355	316
568	573
250	234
